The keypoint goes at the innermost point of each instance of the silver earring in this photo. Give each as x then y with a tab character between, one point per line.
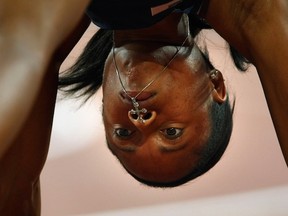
213	74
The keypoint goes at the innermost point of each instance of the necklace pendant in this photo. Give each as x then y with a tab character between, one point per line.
137	111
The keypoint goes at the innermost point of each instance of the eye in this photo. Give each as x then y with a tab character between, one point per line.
122	132
172	133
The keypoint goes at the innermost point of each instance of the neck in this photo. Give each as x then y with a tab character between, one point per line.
173	30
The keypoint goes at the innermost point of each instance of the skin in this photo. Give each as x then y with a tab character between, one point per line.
168	145
29	37
254	27
29	66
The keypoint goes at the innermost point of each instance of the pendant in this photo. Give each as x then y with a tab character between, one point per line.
137	111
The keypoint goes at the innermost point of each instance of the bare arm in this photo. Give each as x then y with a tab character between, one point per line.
29	67
259	29
30	32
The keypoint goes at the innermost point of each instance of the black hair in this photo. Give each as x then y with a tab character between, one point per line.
85	77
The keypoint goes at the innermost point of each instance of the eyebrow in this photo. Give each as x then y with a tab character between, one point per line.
122	148
171	148
131	149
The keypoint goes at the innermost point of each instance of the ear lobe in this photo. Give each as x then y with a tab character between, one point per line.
219	92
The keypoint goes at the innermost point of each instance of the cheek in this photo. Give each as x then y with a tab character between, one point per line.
115	113
188	92
111	85
203	127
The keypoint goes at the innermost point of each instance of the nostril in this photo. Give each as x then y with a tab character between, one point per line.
147	116
134	116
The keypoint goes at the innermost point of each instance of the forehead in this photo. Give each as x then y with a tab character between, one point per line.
161	166
148	160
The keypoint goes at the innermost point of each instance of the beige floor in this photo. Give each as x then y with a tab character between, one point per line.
82	177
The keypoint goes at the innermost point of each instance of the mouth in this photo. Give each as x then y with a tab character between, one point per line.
141	97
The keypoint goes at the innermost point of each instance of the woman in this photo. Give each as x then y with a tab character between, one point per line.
172	143
145	77
249	26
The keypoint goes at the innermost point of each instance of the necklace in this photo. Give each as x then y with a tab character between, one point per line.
137	111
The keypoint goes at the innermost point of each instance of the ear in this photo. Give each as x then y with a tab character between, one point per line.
219	92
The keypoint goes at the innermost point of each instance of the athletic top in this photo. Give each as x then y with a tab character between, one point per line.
131	14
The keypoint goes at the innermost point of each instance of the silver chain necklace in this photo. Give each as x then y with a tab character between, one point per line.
139	112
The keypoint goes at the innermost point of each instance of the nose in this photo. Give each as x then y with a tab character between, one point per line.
142	119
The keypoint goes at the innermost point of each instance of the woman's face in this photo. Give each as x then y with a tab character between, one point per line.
168	144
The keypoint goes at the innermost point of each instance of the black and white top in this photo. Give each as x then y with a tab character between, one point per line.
131	14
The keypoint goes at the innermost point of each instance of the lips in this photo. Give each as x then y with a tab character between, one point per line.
142	97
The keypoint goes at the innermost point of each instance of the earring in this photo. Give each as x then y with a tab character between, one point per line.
213	74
